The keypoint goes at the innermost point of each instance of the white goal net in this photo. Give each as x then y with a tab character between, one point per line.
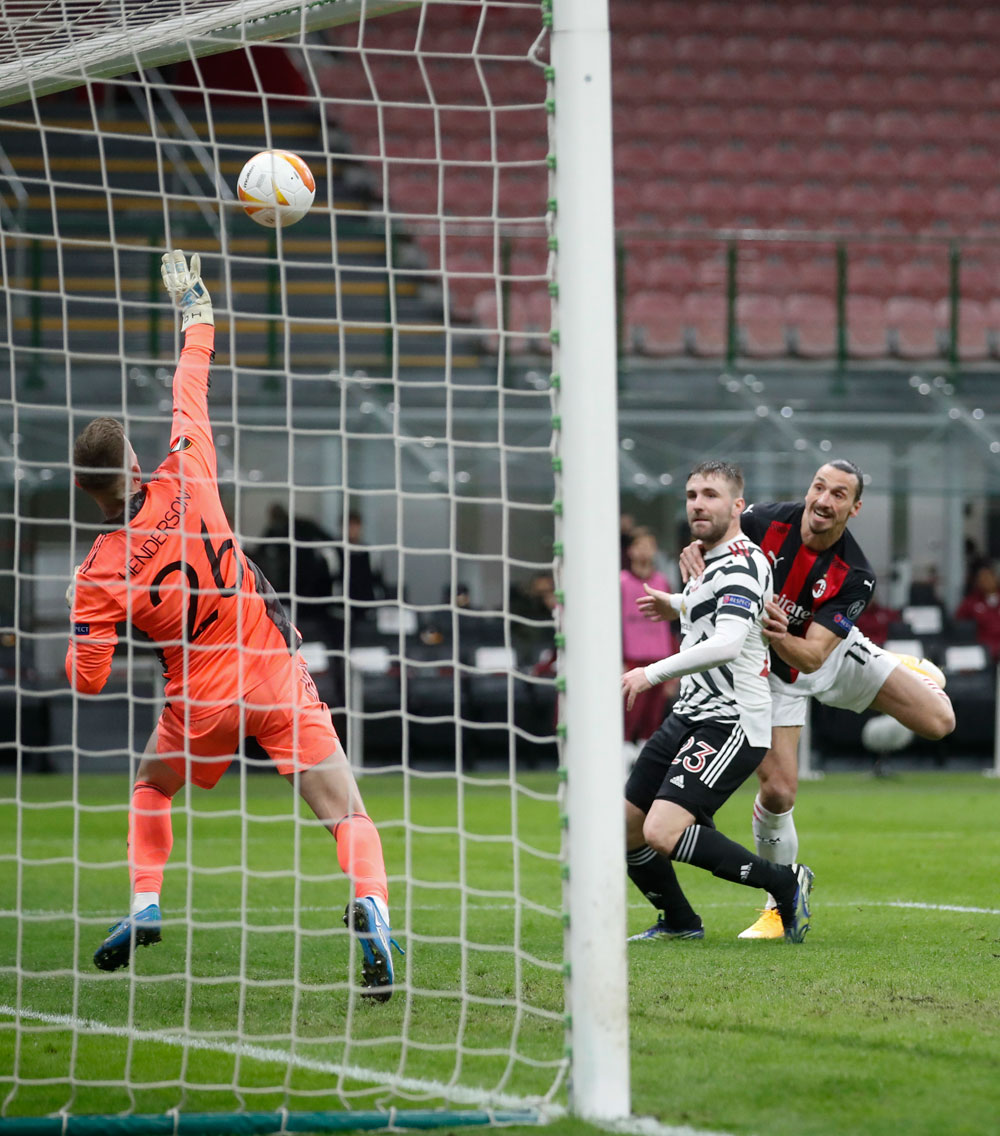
386	425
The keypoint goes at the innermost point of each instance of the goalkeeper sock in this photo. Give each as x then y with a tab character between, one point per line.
359	853
774	834
654	875
707	848
150	837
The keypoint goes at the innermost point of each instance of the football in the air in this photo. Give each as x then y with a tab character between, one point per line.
276	188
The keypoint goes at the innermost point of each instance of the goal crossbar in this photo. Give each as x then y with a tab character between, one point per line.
149	42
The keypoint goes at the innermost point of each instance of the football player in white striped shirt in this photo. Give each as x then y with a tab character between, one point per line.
719	728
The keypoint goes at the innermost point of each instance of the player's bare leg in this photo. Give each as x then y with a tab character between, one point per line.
330	790
773	825
150	839
916	702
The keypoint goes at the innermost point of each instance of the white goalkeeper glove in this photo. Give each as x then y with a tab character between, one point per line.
71	590
187	288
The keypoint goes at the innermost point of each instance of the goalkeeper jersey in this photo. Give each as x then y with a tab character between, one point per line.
175	571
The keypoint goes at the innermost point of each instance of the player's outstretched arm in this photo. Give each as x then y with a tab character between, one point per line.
184	283
658	606
806	653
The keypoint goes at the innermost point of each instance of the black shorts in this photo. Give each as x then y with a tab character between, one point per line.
697	765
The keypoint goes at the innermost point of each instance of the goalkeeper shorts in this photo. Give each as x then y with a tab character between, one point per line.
284	713
850	679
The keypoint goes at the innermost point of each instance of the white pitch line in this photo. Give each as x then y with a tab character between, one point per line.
460	1094
41	913
945	907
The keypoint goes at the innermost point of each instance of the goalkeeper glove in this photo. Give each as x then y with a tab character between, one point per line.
186	287
71	590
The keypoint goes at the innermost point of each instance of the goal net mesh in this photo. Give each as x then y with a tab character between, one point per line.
383	413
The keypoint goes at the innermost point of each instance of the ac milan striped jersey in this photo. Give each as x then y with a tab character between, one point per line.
832	587
736	584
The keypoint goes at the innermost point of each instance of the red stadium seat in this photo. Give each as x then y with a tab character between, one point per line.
705	318
754	122
911	205
688	160
869	276
488	316
654	324
794	52
973	328
854	19
925	163
701	51
813	323
733	159
745	50
925	278
934	55
866	327
841	54
958	207
868	90
651	47
822	89
912	328
977	57
878	162
715	202
854	124
774	87
986	22
886	55
919	92
761	324
961	91
945	124
671	271
816	274
975	165
860	206
978	279
829	160
898	124
705	121
760	204
813	202
663	201
801	122
783	161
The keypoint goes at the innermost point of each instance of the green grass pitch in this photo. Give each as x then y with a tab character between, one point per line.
886	1020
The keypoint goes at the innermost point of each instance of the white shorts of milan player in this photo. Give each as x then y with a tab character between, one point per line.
850	679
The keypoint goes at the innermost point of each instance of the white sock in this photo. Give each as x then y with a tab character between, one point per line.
774	834
775	837
142	899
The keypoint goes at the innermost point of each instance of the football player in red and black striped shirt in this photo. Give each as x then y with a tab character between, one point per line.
822	583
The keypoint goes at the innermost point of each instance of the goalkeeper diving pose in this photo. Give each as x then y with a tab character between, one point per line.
172	567
719	728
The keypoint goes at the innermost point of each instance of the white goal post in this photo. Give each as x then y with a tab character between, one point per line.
414	403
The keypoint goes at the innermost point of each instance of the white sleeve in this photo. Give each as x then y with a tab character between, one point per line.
722	647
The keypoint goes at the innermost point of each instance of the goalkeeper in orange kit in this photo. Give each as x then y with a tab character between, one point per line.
172	567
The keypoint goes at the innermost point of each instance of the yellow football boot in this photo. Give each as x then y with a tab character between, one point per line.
768	926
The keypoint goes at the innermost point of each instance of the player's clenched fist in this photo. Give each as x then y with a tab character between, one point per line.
187	288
